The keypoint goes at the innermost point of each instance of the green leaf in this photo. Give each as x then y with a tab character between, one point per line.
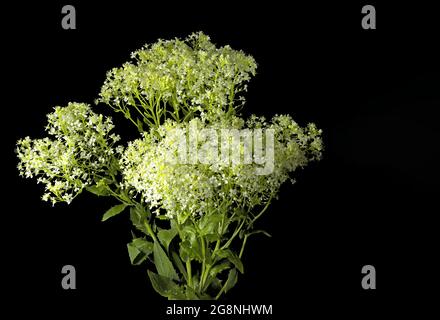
114	211
140	125
260	231
138	250
209	224
191	251
181	218
179	264
212	237
189	233
165	286
135	254
232	280
143	245
163	264
191	294
190	247
138	216
219	268
196	279
99	190
215	283
232	257
247	234
214	271
166	236
239	214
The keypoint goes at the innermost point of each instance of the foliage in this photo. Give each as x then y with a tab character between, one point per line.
192	216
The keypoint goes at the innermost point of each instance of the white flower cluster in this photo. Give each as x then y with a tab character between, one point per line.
194	189
80	152
187	75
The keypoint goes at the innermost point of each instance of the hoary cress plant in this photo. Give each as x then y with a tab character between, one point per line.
191	220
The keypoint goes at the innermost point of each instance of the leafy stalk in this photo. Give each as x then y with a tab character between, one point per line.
192	215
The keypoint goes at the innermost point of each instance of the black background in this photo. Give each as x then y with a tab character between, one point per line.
372	200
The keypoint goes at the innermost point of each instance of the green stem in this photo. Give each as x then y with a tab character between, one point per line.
220	292
242	246
202	275
261	212
118	196
237	230
188	271
127	116
150	231
217	246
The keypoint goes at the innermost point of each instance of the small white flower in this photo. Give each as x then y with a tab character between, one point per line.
64	163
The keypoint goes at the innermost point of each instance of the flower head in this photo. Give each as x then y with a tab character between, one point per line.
185	76
186	187
79	150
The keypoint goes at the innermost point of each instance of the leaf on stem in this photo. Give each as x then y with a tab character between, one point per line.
138	250
232	280
165	286
113	211
190	247
99	190
191	294
166	236
246	233
260	231
179	264
209	224
163	264
191	250
138	217
232	257
219	268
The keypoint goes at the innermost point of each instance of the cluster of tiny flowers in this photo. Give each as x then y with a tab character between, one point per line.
78	152
184	189
294	147
189	75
